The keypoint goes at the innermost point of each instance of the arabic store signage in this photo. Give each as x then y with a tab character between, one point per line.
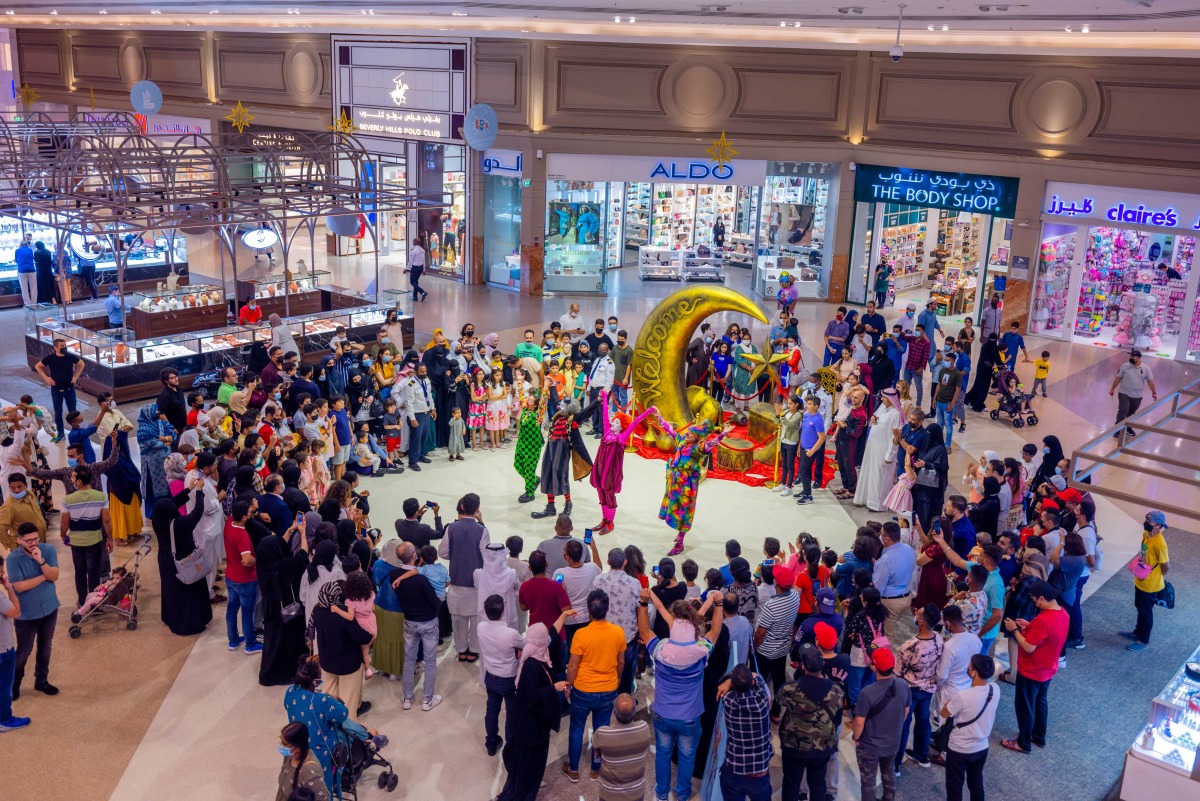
502	162
1130	207
953	191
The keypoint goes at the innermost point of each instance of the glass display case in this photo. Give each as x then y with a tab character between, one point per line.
277	287
158	301
366	316
1161	763
109	352
321	324
160	349
395	299
233	336
49	330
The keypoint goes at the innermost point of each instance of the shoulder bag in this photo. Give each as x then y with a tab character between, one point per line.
928	477
940	741
295	609
196	565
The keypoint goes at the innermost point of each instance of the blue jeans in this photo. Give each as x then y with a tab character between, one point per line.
986	643
856	679
739	788
57	398
669	734
417	635
831	356
627	676
1075	627
917	382
945	419
918	711
242	595
618	396
599	706
416	445
500	690
8	666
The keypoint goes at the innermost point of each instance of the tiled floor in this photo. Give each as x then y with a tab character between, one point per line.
207	730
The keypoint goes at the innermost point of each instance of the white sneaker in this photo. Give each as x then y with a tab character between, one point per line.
777	488
787	491
430	703
407	704
1062	661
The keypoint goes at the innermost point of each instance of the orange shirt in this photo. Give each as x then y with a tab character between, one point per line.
597	645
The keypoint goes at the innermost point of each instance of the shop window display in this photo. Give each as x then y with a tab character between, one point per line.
576	236
502	231
792	230
1051	283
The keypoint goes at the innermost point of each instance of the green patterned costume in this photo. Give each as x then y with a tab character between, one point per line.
529	442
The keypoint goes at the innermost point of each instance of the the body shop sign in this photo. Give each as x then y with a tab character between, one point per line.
1126	207
953	191
402	90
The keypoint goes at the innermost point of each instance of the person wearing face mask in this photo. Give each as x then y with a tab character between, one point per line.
271	371
301	768
60	369
20	507
597	336
250	313
1129	385
622	357
989	320
384	345
32	569
436	359
742	389
1149	578
837	331
209	529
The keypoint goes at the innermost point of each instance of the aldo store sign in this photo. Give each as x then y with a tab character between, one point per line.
402	90
952	191
1128	207
653	169
692	171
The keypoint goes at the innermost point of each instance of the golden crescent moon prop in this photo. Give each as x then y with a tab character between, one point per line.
659	355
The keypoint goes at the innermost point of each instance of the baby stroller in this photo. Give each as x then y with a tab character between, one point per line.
121	598
1013	401
358	752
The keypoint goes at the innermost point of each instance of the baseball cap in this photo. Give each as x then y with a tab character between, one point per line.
1049	506
1135	352
784	576
884	659
1156	517
1070	495
1058	482
1043	589
826	600
826	636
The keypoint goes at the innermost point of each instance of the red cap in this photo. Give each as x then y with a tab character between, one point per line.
1070	495
1049	506
784	576
826	636
884	659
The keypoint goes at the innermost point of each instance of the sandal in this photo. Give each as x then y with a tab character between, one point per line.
1003	676
1012	745
463	657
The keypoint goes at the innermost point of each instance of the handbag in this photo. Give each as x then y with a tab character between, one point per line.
940	741
1139	569
293	610
1166	596
194	567
927	477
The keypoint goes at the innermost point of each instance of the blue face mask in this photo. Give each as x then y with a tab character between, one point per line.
284	750
19	495
911	314
1058	471
1046	451
72	462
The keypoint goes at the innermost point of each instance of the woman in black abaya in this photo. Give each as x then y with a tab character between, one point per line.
535	712
186	609
928	501
437	361
1052	454
279	572
989	357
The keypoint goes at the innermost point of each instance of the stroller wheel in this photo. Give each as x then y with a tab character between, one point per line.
133	612
131	625
392	781
76	617
383	780
1033	420
1018	422
995	414
76	632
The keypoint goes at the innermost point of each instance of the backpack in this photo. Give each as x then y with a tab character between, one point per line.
808	724
879	639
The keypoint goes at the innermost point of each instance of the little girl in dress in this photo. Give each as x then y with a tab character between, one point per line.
477	410
320	471
900	498
359	596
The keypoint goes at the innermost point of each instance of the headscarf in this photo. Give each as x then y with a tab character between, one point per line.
433	338
329	595
537	646
991	486
496	578
291	476
852	319
124	479
216	415
312	521
150	428
933	451
1051	459
388	553
243	480
1035	564
268	556
491	344
347	535
323	556
990	456
892	398
175	467
275	320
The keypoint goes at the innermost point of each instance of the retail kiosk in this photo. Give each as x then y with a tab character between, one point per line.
1161	763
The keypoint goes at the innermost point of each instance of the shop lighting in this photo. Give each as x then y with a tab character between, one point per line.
632	20
102	11
458	13
795	24
617	20
1068	29
155	11
54	12
945	27
10	13
1085	29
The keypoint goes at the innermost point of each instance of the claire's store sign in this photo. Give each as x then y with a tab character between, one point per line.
953	191
1126	207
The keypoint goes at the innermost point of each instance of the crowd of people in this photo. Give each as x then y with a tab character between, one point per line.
258	501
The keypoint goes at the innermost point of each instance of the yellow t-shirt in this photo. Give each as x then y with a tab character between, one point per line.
1153	553
1041	368
597	645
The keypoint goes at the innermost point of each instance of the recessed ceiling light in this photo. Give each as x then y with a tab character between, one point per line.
931	27
781	25
632	20
1085	29
10	13
458	13
945	27
155	11
1067	29
795	24
54	12
617	19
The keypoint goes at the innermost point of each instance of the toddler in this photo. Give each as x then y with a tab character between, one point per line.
97	595
359	596
691	571
437	574
393	429
368	462
458	428
1041	371
320	467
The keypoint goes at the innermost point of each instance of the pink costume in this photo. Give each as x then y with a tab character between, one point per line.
608	469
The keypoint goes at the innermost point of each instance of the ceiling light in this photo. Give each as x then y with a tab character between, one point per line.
54	12
781	25
155	11
617	20
214	11
10	13
1085	29
102	11
945	27
795	24
931	27
632	20
458	13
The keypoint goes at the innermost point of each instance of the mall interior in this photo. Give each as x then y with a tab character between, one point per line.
186	186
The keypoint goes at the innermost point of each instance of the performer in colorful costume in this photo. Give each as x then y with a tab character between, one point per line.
556	460
787	293
529	437
683	474
609	468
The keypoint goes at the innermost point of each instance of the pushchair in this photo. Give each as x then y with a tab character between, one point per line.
121	598
1014	401
354	755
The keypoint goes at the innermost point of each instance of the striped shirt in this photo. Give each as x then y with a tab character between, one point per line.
748	726
85	507
623	751
778	617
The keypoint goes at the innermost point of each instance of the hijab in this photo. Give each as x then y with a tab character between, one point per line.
323	556
124	479
329	595
243	480
934	450
347	535
537	646
1051	459
150	428
175	467
269	555
991	486
291	476
491	343
275	320
1035	564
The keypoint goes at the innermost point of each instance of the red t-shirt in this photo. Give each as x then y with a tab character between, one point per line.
237	542
1048	631
249	316
193	417
807	587
544	598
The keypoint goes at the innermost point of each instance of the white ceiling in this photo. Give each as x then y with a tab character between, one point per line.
1144	27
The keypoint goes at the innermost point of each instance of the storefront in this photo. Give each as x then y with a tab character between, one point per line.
407	101
1115	269
688	219
502	170
944	236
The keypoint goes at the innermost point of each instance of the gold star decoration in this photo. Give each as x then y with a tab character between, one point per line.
722	151
764	362
240	117
343	124
27	95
